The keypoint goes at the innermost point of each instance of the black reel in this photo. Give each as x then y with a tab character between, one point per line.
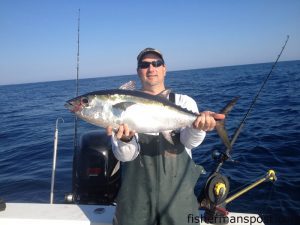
212	199
221	157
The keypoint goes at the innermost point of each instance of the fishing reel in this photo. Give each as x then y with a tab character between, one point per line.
212	199
221	156
213	196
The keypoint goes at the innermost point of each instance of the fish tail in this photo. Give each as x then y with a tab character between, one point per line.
220	125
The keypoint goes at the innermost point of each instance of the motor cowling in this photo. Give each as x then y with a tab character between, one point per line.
96	172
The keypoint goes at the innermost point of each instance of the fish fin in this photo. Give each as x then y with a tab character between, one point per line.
130	85
172	136
123	105
165	93
220	125
168	136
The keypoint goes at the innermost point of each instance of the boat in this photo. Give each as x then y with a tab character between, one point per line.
96	180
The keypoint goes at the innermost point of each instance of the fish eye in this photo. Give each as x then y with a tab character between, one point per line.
85	101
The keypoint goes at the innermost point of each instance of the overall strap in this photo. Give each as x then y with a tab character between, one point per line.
2	205
172	97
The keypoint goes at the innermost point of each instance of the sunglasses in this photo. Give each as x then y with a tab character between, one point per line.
145	65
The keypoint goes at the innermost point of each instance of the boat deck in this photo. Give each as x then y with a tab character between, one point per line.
68	214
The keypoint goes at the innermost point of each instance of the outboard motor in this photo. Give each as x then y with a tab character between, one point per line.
96	172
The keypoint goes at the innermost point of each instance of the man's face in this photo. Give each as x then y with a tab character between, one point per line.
152	76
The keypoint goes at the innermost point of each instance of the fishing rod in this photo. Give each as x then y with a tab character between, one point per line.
77	68
213	197
69	197
77	79
224	156
75	122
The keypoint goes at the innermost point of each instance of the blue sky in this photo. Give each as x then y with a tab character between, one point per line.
38	38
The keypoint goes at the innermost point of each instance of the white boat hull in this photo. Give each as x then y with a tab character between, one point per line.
68	214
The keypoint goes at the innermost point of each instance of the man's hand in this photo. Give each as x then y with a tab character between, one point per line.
206	120
123	133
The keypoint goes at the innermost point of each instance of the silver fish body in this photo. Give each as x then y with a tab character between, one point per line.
142	112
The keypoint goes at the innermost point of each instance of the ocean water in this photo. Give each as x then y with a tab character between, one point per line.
270	138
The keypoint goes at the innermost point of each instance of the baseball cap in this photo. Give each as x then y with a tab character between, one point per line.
149	50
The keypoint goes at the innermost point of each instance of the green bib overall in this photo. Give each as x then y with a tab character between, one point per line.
158	186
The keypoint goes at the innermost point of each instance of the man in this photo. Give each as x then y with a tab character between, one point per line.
158	175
